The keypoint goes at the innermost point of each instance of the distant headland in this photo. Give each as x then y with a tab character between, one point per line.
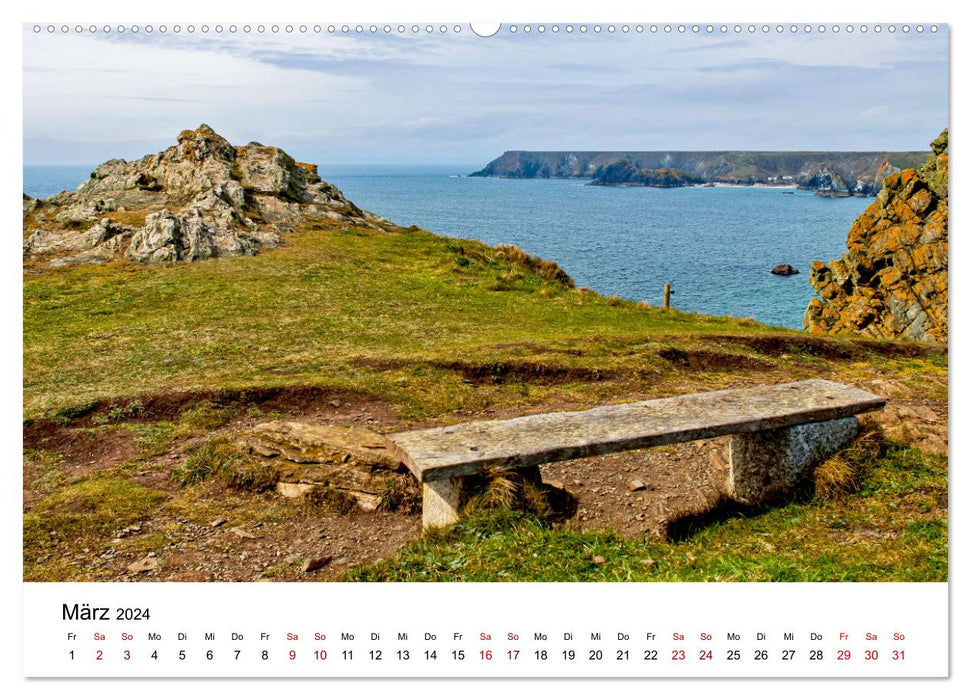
827	173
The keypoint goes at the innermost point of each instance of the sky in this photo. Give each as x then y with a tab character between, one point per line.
460	98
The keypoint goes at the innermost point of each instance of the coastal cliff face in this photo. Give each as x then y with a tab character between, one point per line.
625	174
892	281
198	199
833	174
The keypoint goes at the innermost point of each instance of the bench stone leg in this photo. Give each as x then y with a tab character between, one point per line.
440	502
770	464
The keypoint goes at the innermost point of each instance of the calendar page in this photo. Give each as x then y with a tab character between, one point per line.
418	347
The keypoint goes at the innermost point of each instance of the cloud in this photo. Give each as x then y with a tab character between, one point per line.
400	98
583	68
878	111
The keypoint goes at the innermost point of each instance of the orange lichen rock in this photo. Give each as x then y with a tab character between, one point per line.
892	280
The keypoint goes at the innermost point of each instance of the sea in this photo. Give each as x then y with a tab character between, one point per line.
715	246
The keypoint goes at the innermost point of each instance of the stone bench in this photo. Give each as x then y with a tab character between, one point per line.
778	435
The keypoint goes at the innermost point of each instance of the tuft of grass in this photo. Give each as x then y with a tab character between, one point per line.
128	218
133	409
399	495
221	459
336	500
507	490
153	439
203	463
208	415
501	491
144	544
844	472
252	476
546	269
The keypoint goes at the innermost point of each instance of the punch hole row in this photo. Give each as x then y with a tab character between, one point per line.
456	29
719	29
250	29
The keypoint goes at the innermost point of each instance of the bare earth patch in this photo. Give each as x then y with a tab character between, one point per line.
83	449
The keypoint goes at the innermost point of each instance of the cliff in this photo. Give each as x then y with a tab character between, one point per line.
200	198
627	175
892	281
828	173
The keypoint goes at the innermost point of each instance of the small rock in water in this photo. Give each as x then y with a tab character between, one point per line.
784	270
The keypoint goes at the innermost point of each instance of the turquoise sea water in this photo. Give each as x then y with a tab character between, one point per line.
714	245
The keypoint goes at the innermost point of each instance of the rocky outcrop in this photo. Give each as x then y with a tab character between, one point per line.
892	281
839	174
625	174
29	205
201	198
355	463
825	181
784	270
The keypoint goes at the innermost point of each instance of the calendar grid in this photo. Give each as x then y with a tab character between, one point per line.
477	630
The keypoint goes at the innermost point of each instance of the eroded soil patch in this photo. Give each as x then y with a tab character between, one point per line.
707	360
83	449
500	372
828	348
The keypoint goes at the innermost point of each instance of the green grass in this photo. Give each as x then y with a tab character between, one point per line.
437	329
894	528
82	512
324	310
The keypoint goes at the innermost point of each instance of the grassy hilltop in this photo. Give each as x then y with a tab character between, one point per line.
131	373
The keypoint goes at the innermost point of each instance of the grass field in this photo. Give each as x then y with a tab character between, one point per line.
433	330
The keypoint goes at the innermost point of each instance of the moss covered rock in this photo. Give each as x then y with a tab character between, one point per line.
892	280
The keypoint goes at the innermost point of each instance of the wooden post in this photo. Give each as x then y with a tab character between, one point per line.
667	296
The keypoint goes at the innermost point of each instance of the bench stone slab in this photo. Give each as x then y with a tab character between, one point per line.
467	448
778	435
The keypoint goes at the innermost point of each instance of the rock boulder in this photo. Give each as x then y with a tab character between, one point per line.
353	461
200	198
892	281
